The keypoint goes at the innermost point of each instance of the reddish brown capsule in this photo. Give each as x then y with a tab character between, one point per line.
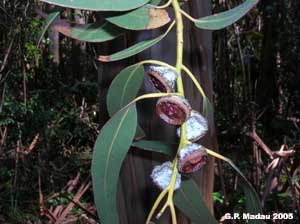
173	109
163	78
191	158
196	127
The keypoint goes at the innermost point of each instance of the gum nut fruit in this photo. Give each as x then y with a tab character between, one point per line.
161	176
191	158
196	127
173	109
163	78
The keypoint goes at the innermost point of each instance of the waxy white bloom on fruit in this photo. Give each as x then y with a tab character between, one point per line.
196	127
161	176
163	78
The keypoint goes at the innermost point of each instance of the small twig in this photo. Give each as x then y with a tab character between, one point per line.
188	16
32	145
24	85
3	139
2	97
78	204
260	142
289	179
7	53
41	197
84	187
268	187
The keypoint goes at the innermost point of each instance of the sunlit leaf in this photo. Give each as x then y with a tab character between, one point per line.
224	19
142	18
157	146
188	199
124	88
99	5
109	152
49	20
135	49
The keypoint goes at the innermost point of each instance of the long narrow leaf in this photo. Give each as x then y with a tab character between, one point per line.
99	5
157	146
223	19
93	32
252	199
49	20
109	152
135	49
143	18
124	88
188	199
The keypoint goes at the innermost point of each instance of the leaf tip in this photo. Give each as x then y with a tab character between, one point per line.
104	58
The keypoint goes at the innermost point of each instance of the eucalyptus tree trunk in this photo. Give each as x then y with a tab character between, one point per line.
136	191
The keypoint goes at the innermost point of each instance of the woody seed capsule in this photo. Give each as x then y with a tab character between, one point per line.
163	78
161	176
173	109
191	158
196	127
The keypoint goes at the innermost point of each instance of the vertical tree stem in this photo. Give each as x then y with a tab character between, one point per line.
179	29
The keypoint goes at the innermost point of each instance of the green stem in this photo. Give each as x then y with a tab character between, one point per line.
179	24
188	16
156	203
195	81
157	63
149	96
163	6
183	141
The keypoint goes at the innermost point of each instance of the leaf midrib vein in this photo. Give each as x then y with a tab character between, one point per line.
110	150
126	85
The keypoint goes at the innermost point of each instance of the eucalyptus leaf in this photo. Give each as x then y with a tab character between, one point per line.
248	188
139	134
93	32
207	108
189	200
143	18
135	49
252	203
49	20
252	199
157	146
154	2
124	88
109	152
99	5
224	19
